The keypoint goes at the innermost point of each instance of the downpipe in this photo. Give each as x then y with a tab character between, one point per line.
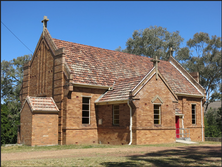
202	118
131	134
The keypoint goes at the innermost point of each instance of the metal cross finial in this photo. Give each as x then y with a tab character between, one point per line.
155	63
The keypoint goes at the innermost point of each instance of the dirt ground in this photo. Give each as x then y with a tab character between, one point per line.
93	152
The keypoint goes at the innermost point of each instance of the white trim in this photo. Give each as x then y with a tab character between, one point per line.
111	101
187	72
24	104
186	78
143	79
101	96
144	84
55	104
157	97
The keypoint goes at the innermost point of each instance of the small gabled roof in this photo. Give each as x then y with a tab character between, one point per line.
41	104
121	89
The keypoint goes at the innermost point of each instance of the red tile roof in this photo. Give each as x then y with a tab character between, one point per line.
97	66
41	103
121	89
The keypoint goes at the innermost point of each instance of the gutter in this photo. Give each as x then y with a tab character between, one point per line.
131	122
90	86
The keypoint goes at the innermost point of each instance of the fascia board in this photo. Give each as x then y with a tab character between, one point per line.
172	61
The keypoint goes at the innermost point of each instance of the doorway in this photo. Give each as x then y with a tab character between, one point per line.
177	123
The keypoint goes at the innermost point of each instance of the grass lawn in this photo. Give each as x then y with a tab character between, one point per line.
191	155
14	149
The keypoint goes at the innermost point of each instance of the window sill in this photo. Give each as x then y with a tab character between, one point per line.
157	125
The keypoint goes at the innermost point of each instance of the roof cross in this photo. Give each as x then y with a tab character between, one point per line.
155	63
44	21
171	51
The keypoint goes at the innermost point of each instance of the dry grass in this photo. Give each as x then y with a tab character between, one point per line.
202	154
14	149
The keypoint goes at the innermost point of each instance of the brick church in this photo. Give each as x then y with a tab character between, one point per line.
78	94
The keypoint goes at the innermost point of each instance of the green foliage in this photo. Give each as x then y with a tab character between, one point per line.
11	81
212	122
153	41
8	126
203	54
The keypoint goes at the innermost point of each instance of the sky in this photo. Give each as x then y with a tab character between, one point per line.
103	24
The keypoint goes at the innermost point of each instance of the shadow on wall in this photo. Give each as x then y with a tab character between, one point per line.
181	156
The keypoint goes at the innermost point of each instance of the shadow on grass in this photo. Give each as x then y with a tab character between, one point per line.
181	156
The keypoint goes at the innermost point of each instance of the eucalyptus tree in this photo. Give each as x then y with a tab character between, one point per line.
153	41
11	81
203	54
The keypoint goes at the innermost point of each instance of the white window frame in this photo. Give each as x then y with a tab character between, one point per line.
157	114
86	110
195	113
115	114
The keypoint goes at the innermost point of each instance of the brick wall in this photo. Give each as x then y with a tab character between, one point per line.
155	136
26	125
109	133
75	131
41	72
146	131
45	129
81	136
184	105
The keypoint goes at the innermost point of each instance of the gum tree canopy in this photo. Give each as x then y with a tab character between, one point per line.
152	42
203	54
11	80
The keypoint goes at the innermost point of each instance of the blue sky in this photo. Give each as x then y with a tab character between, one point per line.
105	24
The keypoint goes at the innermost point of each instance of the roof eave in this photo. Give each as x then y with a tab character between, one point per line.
90	86
112	102
190	95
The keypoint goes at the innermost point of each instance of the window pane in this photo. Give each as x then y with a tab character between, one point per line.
156	121
193	121
85	100
85	107
85	113
116	107
193	107
116	112
85	110
156	111
85	120
156	107
116	117
116	122
156	116
193	116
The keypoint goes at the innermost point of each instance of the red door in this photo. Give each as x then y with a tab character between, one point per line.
177	127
